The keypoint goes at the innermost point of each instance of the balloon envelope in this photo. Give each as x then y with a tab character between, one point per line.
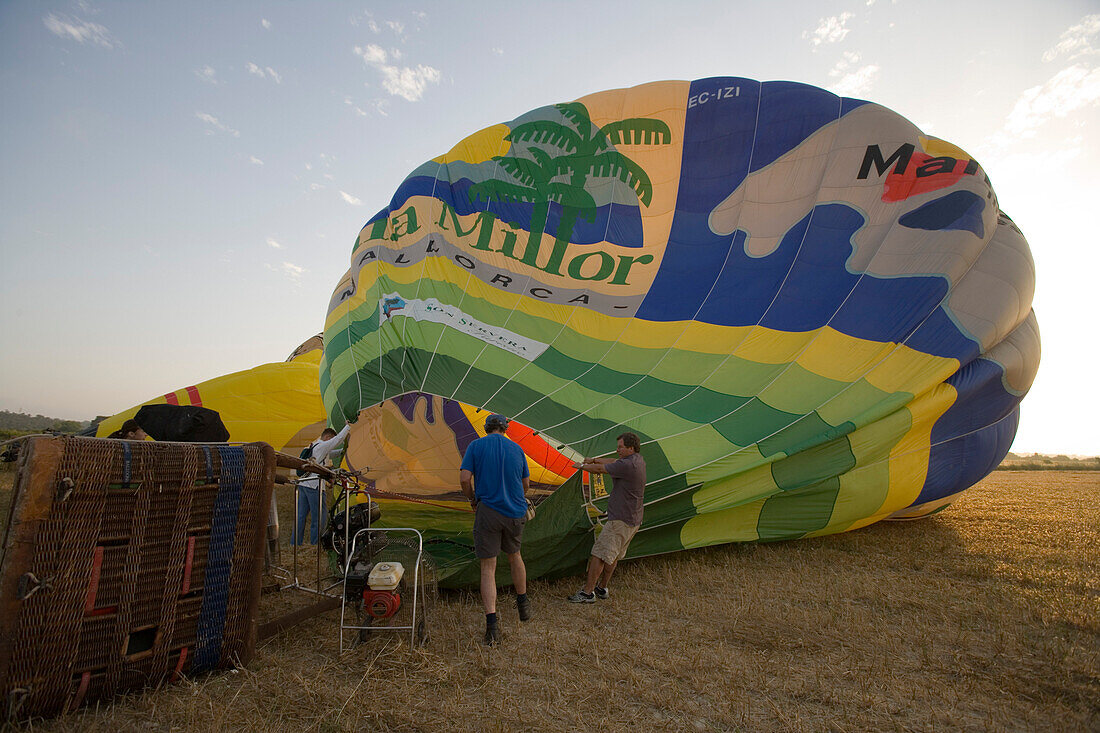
814	315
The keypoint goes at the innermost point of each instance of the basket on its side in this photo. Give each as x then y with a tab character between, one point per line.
127	564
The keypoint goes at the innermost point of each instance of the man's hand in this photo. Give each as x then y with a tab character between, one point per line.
466	481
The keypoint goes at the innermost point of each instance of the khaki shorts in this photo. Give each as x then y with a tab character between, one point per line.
494	532
611	545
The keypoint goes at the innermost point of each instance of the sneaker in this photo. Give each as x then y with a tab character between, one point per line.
492	635
600	593
524	608
582	597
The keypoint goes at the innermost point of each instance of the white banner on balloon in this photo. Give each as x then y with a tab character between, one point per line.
393	305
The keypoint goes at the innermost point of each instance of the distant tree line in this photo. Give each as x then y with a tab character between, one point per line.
1041	462
13	424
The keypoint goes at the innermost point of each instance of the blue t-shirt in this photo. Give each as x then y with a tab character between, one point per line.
499	467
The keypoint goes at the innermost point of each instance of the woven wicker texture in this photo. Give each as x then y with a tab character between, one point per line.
127	564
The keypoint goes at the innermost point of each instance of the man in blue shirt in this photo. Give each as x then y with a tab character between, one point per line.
497	468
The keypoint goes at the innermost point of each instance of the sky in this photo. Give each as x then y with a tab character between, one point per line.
181	183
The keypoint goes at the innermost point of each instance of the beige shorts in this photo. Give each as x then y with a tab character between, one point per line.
615	537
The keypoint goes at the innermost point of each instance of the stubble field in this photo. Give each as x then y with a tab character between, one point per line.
983	617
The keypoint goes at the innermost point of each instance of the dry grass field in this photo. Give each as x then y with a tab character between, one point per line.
983	617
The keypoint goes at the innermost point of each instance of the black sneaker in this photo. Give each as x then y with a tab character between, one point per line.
523	605
600	593
582	597
492	635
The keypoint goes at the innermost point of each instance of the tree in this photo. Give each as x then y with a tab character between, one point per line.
581	151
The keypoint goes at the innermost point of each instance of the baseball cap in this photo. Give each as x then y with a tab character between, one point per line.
497	421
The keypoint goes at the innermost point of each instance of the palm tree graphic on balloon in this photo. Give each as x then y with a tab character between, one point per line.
581	151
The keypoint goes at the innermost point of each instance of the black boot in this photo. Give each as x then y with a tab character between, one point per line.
523	605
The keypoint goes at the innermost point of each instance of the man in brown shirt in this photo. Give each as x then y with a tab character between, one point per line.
624	514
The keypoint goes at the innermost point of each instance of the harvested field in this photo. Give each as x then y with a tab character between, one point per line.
983	617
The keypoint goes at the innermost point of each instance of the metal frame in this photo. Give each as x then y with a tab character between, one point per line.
417	587
346	491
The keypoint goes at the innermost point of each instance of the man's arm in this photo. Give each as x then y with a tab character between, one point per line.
526	485
465	479
593	465
322	449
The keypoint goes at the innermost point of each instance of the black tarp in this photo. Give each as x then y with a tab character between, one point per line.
182	423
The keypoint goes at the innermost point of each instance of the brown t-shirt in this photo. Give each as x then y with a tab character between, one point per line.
627	489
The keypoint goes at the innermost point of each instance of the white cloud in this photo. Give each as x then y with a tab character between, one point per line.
498	50
254	160
368	18
216	124
1071	89
273	244
403	81
207	74
856	83
829	30
358	110
350	199
395	26
290	270
1076	40
315	187
81	31
853	80
265	23
372	54
420	15
264	73
848	59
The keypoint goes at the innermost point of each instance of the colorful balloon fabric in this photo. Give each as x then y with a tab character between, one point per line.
413	445
814	315
408	449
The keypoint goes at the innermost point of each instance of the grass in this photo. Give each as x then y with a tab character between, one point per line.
983	617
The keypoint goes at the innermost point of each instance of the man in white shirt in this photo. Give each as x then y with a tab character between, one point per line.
309	487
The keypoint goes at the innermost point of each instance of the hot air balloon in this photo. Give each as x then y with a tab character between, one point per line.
814	315
276	403
280	404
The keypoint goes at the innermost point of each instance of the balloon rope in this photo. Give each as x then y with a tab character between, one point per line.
403	497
